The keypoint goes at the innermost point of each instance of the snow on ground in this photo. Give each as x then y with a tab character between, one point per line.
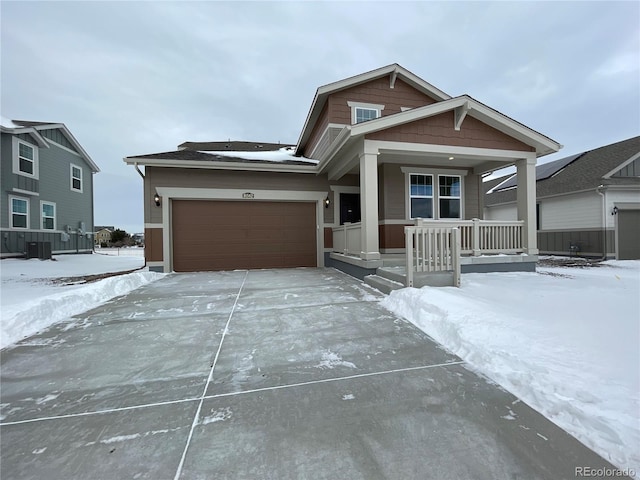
564	340
37	293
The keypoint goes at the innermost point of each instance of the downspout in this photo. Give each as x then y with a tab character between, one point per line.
138	170
142	176
604	222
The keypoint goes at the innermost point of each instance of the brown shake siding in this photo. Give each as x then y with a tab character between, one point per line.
153	244
328	237
439	130
377	92
318	130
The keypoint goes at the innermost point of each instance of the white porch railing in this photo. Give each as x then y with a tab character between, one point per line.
478	237
432	249
347	238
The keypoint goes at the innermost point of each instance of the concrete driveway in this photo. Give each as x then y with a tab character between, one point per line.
269	374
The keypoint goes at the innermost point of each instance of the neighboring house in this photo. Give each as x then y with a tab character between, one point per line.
377	151
47	189
587	204
103	236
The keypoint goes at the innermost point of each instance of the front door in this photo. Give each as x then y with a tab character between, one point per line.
349	208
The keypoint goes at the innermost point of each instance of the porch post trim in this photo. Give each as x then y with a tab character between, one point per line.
370	249
526	200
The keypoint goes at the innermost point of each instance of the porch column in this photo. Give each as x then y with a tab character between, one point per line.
369	206
526	194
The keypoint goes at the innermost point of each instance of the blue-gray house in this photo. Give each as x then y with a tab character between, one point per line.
47	190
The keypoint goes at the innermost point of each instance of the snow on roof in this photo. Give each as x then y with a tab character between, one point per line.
285	154
7	123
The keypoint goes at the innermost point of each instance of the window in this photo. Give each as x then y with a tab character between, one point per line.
19	212
48	211
363	112
421	196
433	193
76	178
449	196
25	158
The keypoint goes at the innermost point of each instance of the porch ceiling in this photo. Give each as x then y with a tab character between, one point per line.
478	165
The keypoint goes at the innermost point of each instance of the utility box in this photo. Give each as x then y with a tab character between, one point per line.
41	250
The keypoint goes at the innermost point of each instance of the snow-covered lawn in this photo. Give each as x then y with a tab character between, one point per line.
37	293
564	340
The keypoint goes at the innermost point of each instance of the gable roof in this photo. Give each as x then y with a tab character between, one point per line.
464	104
579	172
34	128
393	71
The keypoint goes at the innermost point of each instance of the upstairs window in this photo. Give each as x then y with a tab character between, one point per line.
366	114
421	196
48	215
363	112
449	196
76	178
19	212
25	158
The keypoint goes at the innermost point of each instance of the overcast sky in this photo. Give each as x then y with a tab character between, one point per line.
129	78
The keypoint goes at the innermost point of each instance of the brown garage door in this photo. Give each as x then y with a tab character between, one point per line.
219	235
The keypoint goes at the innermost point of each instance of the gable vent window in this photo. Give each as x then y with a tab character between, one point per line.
76	178
363	112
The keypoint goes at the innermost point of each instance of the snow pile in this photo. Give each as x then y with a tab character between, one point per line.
32	301
564	340
285	154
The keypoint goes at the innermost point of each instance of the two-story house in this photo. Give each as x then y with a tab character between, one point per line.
47	189
377	152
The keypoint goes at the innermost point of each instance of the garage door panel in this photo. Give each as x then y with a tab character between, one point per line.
225	235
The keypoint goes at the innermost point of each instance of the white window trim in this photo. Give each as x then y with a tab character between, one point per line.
435	173
11	213
42	217
16	159
369	106
432	196
448	197
71	167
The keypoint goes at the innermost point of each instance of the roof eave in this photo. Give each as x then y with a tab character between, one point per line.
213	165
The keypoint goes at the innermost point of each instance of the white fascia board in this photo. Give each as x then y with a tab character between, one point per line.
384	146
621	166
74	142
343	137
222	165
493	118
29	131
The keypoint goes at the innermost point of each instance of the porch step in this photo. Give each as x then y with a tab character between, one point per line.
394	259
383	284
395	274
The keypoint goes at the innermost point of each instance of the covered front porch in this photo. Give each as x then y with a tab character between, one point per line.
413	197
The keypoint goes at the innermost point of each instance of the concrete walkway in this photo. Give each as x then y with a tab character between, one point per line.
269	374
